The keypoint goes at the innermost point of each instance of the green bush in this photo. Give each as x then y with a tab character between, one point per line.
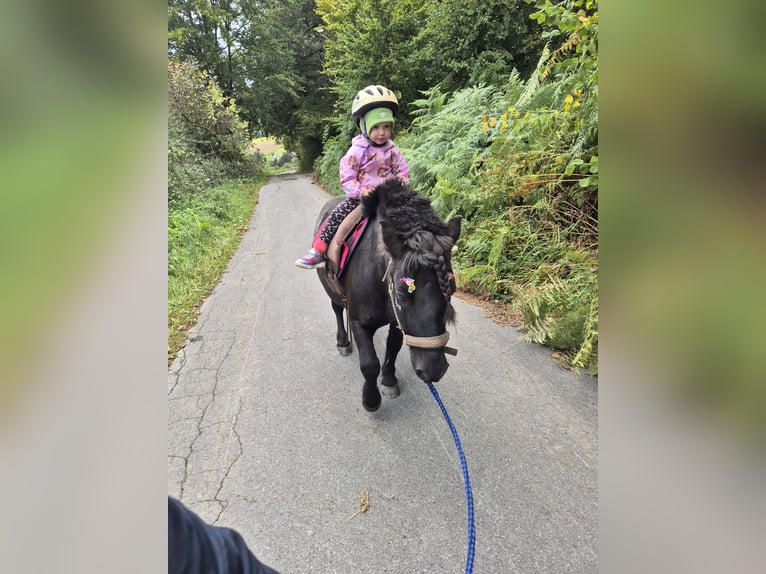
206	137
281	159
327	165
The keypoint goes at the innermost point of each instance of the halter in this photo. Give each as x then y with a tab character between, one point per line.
435	342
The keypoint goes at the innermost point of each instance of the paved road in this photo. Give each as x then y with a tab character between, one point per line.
267	433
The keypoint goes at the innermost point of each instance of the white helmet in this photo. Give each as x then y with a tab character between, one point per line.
373	97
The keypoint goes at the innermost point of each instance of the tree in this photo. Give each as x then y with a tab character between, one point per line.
206	136
413	45
266	54
368	42
466	42
209	117
206	32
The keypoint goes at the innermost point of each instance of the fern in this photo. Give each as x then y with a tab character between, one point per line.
533	83
587	354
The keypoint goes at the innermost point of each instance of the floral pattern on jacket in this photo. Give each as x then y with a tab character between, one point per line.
366	166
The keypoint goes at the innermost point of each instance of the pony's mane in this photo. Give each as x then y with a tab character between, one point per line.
405	209
422	230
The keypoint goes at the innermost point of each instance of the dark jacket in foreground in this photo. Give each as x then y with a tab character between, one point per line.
195	547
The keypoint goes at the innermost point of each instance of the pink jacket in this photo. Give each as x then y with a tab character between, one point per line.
367	166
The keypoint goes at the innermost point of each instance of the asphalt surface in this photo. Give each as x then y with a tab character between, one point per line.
267	434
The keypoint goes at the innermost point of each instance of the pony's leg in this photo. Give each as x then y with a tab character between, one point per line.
369	365
344	345
389	384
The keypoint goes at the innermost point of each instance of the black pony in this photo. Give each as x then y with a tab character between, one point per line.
400	276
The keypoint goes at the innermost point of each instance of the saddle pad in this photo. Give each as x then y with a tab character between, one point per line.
346	239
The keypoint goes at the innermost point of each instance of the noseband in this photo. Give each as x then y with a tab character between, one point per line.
435	342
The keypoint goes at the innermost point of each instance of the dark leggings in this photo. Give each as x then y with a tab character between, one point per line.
336	217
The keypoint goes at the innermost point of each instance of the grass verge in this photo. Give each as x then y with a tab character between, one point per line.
202	237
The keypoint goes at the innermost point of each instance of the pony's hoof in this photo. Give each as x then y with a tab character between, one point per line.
344	351
371	408
390	392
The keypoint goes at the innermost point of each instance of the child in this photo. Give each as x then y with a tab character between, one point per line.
372	159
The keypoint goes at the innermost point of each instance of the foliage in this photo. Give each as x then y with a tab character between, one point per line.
308	149
281	159
520	163
293	66
202	236
206	137
469	42
443	144
413	45
327	165
368	42
210	119
267	55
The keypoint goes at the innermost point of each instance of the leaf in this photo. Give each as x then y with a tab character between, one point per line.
569	170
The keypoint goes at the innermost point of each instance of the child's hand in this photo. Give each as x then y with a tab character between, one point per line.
366	191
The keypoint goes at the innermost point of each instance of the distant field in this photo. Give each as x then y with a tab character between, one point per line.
265	146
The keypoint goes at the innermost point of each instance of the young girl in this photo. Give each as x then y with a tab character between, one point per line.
372	159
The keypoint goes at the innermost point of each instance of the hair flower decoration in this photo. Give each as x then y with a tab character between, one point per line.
409	282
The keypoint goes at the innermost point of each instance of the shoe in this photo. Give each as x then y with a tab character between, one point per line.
311	260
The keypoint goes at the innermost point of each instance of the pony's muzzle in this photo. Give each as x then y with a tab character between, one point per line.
430	365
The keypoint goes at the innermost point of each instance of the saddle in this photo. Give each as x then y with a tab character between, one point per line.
342	247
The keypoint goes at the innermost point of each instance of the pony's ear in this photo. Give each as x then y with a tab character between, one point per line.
453	228
370	203
392	240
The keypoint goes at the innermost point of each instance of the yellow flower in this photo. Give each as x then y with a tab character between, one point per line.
569	99
484	127
492	122
485	118
503	126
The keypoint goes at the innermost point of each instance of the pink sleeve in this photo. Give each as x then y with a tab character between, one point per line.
349	173
401	168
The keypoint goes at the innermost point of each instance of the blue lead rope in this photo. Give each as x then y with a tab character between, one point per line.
466	482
